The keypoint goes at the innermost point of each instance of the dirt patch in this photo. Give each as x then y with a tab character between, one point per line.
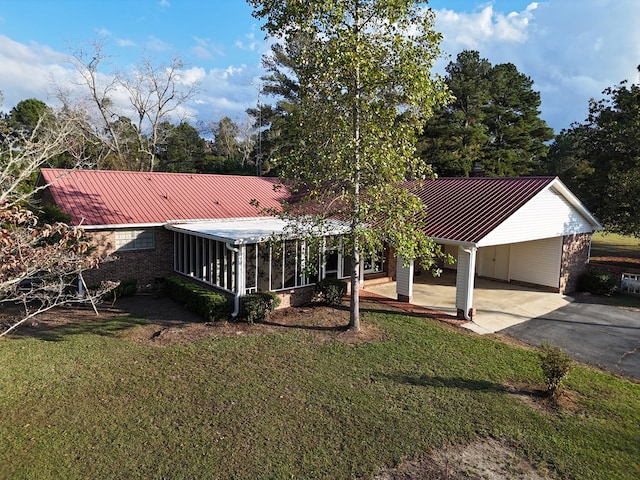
486	459
537	399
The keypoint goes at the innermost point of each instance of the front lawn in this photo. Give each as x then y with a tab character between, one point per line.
615	249
92	401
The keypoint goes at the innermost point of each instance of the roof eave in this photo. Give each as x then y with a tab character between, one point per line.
576	203
118	226
459	243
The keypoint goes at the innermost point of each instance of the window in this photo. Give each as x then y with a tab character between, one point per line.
134	239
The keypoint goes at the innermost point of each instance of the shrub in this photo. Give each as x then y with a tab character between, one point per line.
258	306
555	367
332	290
210	305
598	282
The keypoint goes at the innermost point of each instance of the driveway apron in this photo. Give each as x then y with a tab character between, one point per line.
600	335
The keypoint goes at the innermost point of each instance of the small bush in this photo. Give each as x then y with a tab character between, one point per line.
598	282
210	305
258	306
332	290
555	367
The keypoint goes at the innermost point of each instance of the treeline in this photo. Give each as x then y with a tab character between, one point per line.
220	147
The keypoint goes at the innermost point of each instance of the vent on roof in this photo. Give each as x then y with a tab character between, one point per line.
477	170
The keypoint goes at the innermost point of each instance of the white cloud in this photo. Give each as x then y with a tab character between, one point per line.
227	92
125	42
205	49
250	42
27	71
571	50
155	44
477	29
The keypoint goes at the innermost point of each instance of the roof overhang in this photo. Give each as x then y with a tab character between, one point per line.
240	231
458	243
577	204
120	226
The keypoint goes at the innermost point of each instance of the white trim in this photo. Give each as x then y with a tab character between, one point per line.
120	226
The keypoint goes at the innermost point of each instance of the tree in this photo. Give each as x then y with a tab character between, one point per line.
154	92
493	122
364	87
27	114
601	158
273	122
183	149
38	261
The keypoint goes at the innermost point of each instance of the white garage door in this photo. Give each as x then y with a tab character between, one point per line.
537	261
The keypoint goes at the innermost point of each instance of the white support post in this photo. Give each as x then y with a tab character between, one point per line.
465	278
404	280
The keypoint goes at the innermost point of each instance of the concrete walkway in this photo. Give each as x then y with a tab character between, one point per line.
498	305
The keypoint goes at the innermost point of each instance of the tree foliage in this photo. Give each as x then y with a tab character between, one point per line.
493	122
364	87
183	149
600	158
39	261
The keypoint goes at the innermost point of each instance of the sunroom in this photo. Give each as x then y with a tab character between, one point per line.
246	255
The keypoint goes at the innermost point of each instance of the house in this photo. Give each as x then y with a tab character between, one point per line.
201	226
531	230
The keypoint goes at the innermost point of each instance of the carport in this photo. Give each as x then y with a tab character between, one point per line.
498	304
526	231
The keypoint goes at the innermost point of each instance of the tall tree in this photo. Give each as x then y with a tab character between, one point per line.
28	113
183	149
273	122
493	122
601	158
364	87
154	93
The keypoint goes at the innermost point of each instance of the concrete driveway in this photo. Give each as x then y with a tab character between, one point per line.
601	335
498	304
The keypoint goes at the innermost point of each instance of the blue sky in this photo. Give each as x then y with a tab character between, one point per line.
571	49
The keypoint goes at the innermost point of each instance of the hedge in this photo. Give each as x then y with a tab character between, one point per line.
210	305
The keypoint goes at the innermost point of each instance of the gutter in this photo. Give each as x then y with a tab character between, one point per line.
236	294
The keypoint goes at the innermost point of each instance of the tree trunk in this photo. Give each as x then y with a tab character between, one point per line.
354	313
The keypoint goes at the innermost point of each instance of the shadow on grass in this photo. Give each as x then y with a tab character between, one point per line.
449	382
103	327
125	314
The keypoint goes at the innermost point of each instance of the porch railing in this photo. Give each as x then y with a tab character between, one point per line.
630	283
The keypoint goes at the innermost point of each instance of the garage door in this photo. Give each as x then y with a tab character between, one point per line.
537	262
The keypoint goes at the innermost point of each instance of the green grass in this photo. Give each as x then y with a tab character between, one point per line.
614	245
94	404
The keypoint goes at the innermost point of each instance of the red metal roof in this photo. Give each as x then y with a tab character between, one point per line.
106	197
458	209
467	209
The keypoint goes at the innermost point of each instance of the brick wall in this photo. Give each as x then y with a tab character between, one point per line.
146	266
575	258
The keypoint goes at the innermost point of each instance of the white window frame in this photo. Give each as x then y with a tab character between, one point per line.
135	239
